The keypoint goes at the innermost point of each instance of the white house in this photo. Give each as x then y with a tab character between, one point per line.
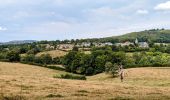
108	43
143	45
124	44
65	46
84	44
48	46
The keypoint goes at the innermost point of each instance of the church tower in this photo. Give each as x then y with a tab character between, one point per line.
136	41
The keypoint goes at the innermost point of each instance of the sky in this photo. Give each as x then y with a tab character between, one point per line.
76	19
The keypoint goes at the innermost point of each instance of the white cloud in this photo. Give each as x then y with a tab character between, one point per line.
48	27
3	28
103	11
142	12
163	6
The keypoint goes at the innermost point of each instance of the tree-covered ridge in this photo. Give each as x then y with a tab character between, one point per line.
154	35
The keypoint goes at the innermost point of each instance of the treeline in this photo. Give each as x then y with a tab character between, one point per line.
42	60
99	60
153	59
90	64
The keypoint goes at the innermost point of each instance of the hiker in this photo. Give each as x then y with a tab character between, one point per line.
121	72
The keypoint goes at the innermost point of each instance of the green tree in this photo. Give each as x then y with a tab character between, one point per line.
118	57
67	60
111	69
76	63
46	59
75	48
100	63
13	56
28	58
168	49
89	71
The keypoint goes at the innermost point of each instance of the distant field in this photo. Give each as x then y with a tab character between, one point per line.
37	83
54	53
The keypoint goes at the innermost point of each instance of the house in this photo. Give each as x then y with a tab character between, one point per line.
84	44
108	44
143	45
65	46
48	46
99	44
96	44
7	49
127	43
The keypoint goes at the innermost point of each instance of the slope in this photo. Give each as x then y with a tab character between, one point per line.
37	83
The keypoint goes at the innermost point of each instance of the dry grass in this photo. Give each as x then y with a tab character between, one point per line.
53	53
36	83
140	76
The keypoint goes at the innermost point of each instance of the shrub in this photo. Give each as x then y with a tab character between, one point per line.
28	58
56	68
89	71
13	56
111	69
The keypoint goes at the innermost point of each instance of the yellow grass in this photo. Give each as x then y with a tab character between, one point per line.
37	83
53	53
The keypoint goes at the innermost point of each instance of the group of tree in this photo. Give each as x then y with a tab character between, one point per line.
44	59
94	63
107	60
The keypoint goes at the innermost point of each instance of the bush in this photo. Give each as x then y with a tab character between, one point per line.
13	56
57	60
56	68
46	59
89	71
28	58
112	69
71	76
2	56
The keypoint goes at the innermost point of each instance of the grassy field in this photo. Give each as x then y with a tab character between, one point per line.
37	83
53	53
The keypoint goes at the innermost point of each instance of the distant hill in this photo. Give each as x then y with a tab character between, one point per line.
18	42
155	35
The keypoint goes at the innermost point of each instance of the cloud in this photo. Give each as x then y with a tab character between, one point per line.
163	6
3	28
102	11
66	19
142	12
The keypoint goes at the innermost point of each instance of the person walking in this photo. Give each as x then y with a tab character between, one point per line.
121	71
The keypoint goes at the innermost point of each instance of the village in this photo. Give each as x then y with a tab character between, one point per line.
70	46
